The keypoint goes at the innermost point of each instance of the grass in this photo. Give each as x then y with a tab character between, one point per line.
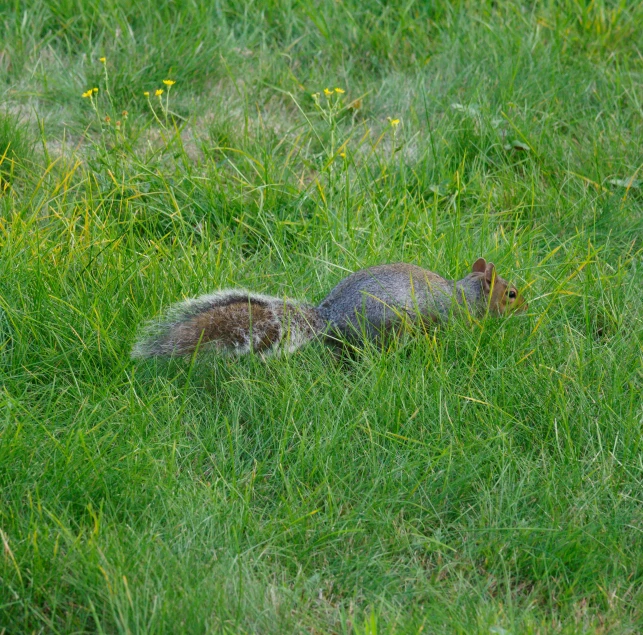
483	479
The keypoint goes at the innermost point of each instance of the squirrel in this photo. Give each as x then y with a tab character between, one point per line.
367	304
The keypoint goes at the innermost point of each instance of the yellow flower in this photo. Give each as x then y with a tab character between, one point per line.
327	92
342	154
102	59
394	122
158	92
146	93
341	91
87	93
169	82
95	90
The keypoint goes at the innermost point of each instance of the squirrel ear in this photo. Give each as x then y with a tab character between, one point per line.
488	272
479	265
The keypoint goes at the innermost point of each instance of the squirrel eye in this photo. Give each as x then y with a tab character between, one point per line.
512	294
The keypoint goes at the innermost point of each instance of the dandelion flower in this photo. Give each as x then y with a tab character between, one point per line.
146	93
88	93
95	90
158	92
394	122
103	60
169	82
328	92
342	154
341	91
125	113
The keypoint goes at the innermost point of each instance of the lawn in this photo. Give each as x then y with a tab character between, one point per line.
483	477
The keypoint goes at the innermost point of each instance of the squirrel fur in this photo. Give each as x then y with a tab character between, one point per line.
367	304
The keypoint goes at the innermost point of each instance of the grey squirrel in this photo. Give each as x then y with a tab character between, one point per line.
364	306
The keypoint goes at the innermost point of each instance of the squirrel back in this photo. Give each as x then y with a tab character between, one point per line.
365	305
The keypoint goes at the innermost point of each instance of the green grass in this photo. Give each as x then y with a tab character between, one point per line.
483	479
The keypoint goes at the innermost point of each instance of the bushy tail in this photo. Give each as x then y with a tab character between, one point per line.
235	321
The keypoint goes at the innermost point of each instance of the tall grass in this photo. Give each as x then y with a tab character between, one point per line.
485	478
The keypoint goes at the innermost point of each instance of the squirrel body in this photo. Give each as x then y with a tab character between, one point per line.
366	305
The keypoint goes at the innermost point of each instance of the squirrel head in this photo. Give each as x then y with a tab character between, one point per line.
502	296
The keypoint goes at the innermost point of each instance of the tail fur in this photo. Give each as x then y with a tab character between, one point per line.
235	322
